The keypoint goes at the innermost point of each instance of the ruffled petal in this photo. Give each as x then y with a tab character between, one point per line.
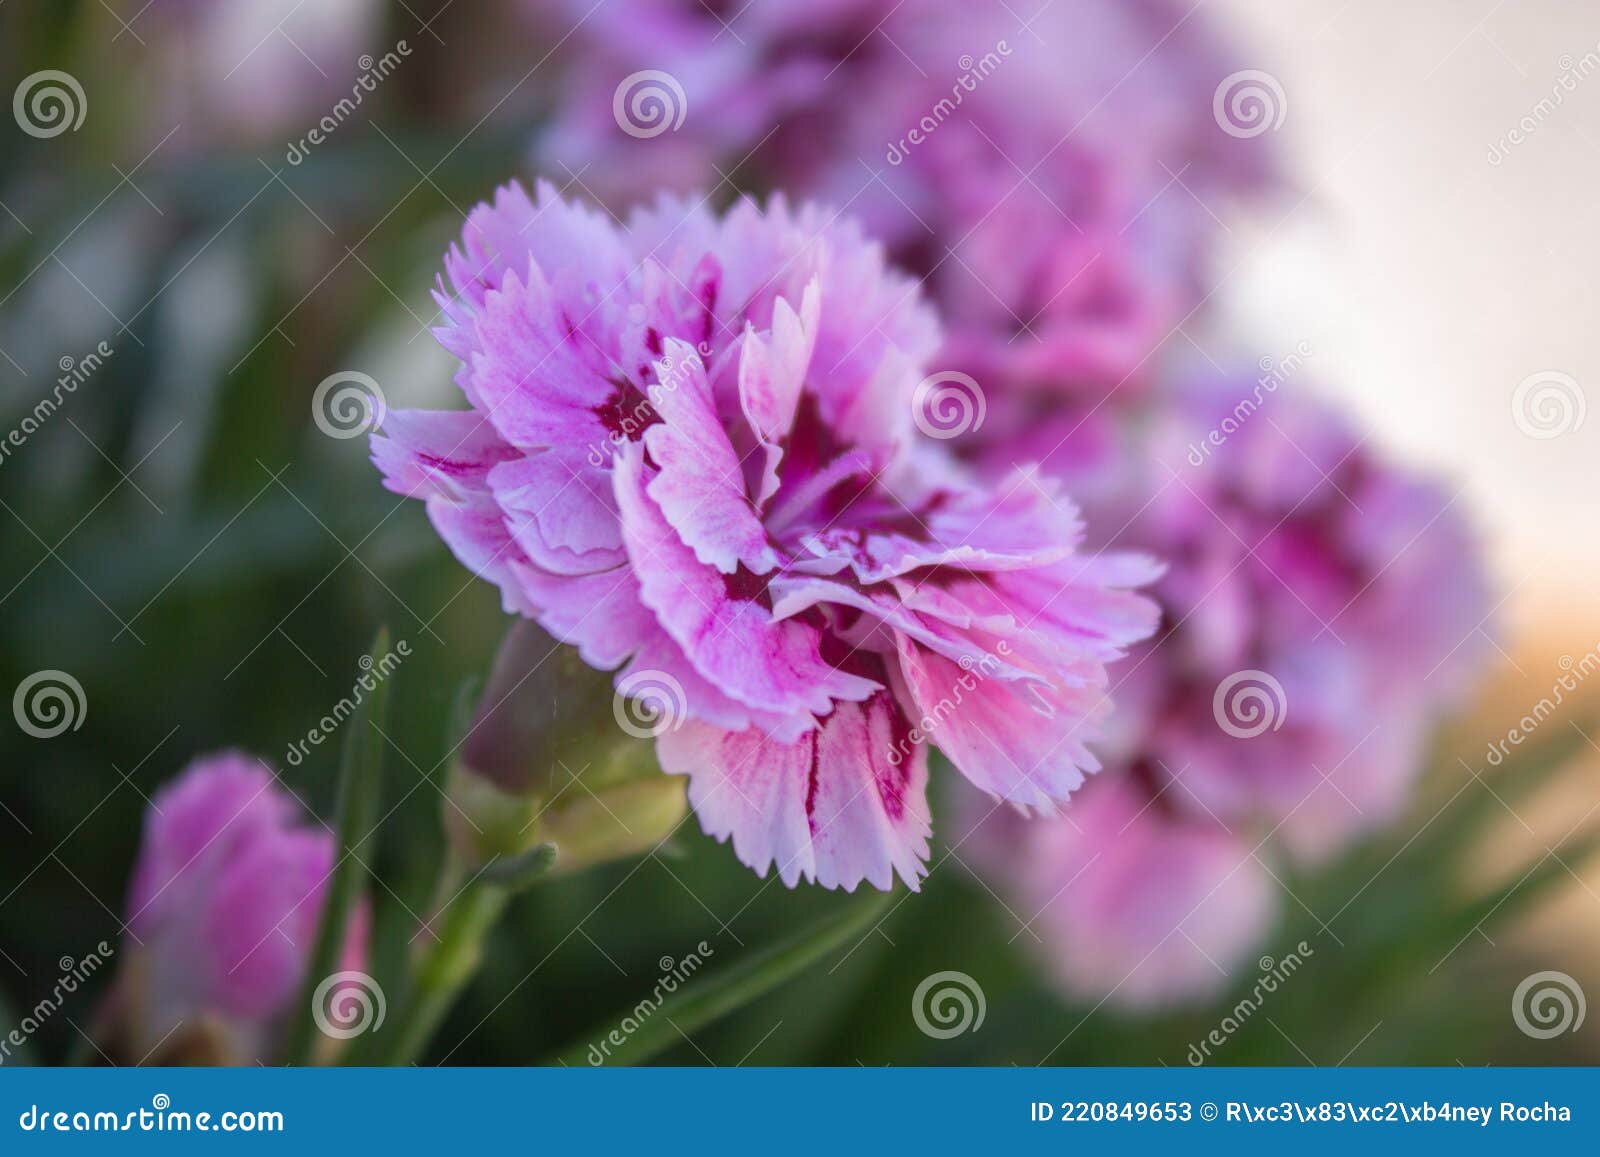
845	804
700	484
443	454
549	366
561	511
1020	740
1027	526
731	638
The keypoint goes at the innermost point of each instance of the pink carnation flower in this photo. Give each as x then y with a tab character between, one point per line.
1322	610
222	911
691	454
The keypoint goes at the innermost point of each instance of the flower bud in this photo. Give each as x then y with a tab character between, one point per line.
222	913
544	761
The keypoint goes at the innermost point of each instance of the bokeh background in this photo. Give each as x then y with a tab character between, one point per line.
184	541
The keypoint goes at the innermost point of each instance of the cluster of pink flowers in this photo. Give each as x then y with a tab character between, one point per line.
695	450
1322	609
1053	173
691	453
695	446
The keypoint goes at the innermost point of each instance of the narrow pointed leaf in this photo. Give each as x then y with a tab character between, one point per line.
729	989
360	789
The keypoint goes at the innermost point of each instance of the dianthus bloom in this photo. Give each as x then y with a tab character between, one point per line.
1322	610
1055	174
222	913
1129	902
691	454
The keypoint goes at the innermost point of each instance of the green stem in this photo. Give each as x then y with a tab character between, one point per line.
465	914
721	993
445	965
360	787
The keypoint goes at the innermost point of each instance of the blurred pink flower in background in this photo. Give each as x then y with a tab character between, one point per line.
1131	901
1323	610
1056	177
222	69
692	453
1341	595
222	914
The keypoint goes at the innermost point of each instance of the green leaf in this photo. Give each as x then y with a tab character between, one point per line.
729	989
1503	903
1517	778
356	816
